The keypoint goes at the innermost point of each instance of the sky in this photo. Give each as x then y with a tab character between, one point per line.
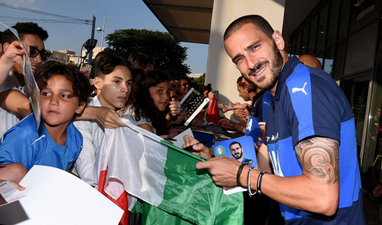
120	14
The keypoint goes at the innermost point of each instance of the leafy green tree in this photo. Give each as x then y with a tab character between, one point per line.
161	46
199	82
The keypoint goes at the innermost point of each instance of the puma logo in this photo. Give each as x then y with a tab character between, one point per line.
266	103
300	89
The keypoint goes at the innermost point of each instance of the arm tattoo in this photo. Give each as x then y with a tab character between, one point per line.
319	158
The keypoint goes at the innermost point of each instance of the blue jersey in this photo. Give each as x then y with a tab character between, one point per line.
260	104
309	103
25	144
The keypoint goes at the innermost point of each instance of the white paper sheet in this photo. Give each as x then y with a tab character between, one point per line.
54	196
179	138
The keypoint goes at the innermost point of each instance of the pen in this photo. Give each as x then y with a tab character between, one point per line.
189	148
170	139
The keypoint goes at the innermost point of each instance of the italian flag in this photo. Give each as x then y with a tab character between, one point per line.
161	180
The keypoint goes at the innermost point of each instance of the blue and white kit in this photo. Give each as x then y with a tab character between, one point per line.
308	103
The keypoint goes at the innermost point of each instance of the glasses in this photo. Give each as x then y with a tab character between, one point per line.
33	52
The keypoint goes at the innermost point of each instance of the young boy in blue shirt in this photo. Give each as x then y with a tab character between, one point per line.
63	93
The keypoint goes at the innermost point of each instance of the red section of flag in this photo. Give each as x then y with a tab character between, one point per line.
213	112
121	201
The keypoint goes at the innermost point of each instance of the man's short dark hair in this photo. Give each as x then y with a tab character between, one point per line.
248	85
106	63
256	20
1	37
140	61
235	142
80	83
240	82
22	30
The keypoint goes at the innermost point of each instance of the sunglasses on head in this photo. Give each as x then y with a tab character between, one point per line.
33	52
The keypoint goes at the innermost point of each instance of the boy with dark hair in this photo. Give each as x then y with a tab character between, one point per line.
113	81
56	143
14	105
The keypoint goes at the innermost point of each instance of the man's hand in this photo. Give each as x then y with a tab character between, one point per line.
198	149
223	170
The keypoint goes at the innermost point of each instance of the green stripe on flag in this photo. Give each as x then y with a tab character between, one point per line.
191	194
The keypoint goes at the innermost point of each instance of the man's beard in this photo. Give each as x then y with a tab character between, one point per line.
277	62
241	154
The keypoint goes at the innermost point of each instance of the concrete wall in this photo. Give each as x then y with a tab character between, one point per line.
221	72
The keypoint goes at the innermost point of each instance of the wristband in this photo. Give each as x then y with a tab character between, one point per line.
259	182
239	174
249	183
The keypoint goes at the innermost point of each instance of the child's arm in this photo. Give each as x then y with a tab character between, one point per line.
14	172
107	117
13	100
13	53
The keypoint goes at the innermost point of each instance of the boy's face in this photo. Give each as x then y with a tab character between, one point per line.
30	40
58	102
114	89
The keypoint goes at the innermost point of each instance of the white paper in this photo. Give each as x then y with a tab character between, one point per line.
179	138
54	196
9	192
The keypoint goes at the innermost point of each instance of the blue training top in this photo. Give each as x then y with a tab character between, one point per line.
307	103
260	104
25	144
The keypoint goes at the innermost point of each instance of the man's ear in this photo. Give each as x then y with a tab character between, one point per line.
81	107
279	40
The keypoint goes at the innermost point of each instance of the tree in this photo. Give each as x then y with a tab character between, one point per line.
199	82
161	46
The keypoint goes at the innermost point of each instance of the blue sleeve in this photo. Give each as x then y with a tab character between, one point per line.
16	145
316	105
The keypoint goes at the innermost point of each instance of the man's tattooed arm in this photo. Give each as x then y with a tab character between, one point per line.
319	157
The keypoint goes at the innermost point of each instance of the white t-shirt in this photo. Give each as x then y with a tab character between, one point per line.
92	133
9	118
130	115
